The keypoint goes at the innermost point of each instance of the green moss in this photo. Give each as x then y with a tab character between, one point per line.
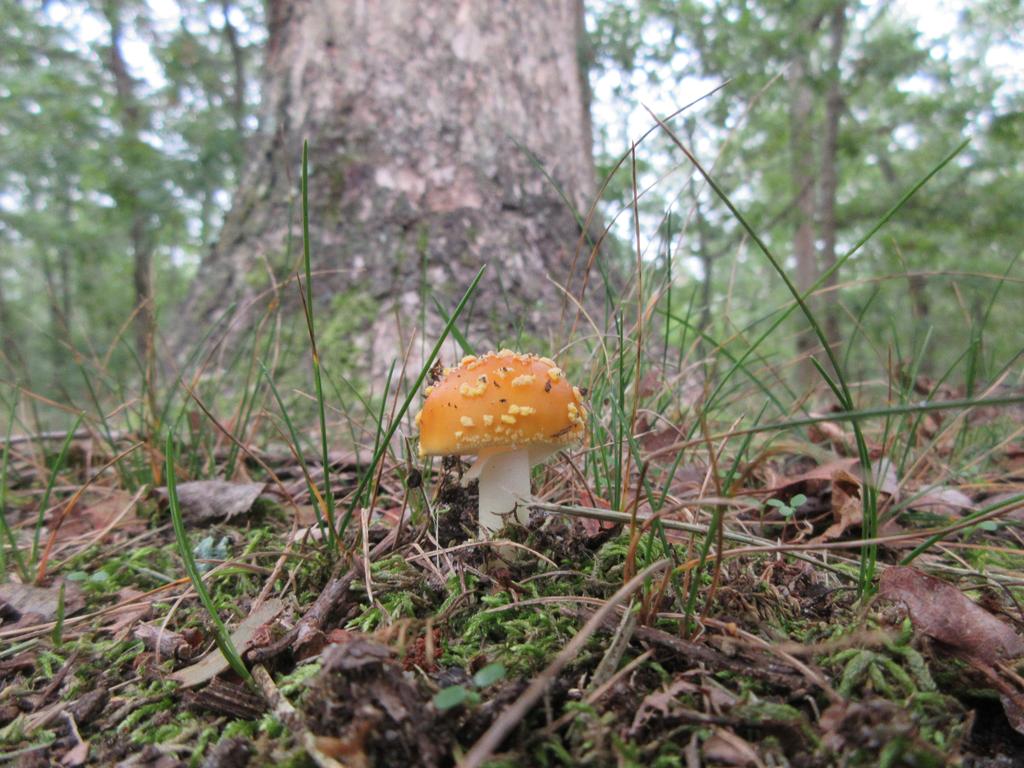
296	683
351	313
399	592
610	561
142	714
523	640
14	733
246	729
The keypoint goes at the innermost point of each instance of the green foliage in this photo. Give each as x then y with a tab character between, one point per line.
454	696
524	641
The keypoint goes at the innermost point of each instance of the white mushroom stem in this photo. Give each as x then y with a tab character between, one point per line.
504	477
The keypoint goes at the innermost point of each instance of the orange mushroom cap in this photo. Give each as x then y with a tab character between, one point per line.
500	400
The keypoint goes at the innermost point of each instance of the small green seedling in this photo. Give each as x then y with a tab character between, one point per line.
455	695
788	510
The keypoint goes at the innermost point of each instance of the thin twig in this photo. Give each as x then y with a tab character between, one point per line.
507	720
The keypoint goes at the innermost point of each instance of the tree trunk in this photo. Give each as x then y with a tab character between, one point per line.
421	119
802	173
830	169
132	122
64	260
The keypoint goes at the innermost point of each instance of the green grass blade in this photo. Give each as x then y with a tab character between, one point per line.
462	341
866	414
298	448
838	386
413	391
784	315
175	389
250	398
379	420
328	491
127	478
718	347
221	635
5	529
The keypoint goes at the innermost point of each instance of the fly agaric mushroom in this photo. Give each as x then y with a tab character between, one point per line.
509	410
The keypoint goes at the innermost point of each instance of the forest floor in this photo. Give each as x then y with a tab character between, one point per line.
587	637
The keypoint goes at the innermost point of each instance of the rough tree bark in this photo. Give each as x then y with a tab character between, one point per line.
421	117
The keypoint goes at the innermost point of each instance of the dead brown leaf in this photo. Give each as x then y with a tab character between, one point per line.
213	663
943	613
848	470
832	433
76	756
1013	460
729	749
657	435
25	602
104	512
847	507
97	516
1013	706
651	383
305	515
203	500
844	478
943	500
659	703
